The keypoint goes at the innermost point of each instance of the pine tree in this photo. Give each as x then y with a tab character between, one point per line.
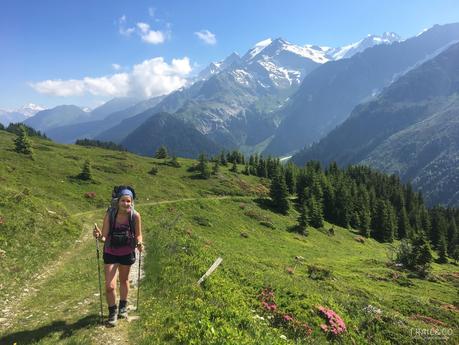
301	184
174	162
216	168
439	226
223	160
86	174
290	178
246	169
261	168
161	153
22	142
203	167
385	222
442	250
278	193
342	205
452	236
455	254
329	200
422	254
364	211
303	219
403	224
426	224
316	218
234	166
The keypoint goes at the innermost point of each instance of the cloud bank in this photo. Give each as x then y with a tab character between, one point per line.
153	77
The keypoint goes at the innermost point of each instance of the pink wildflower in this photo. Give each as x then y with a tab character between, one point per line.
288	318
336	324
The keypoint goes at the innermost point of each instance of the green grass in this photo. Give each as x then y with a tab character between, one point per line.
47	224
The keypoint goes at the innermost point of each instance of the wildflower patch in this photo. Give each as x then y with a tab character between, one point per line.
335	324
279	318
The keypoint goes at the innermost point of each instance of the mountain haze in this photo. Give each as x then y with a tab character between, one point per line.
411	129
327	95
89	129
180	138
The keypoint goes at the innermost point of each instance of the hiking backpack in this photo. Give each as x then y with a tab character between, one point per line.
112	211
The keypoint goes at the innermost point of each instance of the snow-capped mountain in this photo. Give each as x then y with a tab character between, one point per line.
217	67
20	114
281	64
357	47
278	64
270	48
227	106
30	109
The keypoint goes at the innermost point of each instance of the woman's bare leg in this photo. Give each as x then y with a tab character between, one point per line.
110	283
124	281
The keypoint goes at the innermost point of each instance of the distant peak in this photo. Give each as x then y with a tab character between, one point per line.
279	40
264	43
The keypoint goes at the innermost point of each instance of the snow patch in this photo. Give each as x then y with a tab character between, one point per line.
241	76
259	47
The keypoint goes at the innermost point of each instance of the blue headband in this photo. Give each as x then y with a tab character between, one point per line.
125	192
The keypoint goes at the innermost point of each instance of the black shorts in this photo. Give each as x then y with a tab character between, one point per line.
127	260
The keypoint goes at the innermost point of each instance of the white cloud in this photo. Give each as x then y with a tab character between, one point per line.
143	27
153	77
143	31
150	36
206	36
116	67
154	37
60	87
122	27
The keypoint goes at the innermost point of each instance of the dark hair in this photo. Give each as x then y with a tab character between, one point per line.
118	189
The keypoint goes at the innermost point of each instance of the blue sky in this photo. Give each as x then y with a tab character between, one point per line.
87	51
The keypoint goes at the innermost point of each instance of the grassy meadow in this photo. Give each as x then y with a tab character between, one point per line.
48	268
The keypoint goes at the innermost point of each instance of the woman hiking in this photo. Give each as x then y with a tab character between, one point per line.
121	233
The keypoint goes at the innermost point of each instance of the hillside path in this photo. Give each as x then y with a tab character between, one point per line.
15	306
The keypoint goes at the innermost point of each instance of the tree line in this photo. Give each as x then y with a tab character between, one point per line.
378	205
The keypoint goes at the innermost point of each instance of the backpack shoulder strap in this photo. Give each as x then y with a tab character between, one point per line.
132	220
112	211
132	224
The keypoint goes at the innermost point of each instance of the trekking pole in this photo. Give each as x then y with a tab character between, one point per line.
138	280
100	284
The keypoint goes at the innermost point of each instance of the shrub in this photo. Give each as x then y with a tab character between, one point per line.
268	224
202	221
174	162
153	171
318	273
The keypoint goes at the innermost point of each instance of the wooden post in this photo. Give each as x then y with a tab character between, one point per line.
210	270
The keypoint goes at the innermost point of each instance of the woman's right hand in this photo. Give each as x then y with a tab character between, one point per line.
96	232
